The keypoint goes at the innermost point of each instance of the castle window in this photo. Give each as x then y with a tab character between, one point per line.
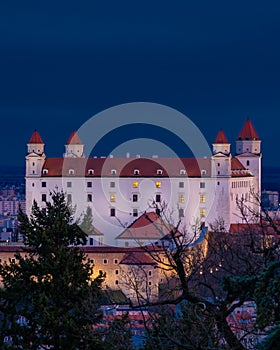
158	198
71	171
202	213
135	212
90	171
91	241
218	172
45	171
44	184
202	185
150	273
248	163
203	172
126	244
33	164
44	197
89	197
112	212
112	184
135	184
33	172
89	184
150	283
219	164
105	261
116	261
112	197
69	184
181	198
136	172
113	172
116	282
202	198
69	198
181	213
92	261
158	184
181	184
135	198
182	172
218	183
33	184
116	272
159	172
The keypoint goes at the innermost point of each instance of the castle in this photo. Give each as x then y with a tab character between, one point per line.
120	191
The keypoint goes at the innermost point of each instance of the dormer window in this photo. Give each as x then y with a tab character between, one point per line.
113	172
203	171
71	171
45	171
90	171
182	172
136	172
159	172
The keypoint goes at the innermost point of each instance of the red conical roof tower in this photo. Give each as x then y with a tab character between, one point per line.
248	132
35	138
221	137
74	139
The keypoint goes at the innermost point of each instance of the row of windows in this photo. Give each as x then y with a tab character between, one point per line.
135	184
240	184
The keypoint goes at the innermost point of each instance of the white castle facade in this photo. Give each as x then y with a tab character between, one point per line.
190	191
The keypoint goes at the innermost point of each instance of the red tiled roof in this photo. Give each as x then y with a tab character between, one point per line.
238	170
74	139
35	138
148	226
236	164
148	167
221	137
137	258
248	132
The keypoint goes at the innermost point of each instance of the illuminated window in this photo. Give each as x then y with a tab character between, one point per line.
202	213
181	198
136	172
112	197
158	184
135	184
202	198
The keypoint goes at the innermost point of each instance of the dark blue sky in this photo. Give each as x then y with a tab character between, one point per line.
63	61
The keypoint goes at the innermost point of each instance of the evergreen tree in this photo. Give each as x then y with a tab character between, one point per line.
86	224
48	299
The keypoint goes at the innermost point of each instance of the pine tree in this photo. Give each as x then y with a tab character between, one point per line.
48	298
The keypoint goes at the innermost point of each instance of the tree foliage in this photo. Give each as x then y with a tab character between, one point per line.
48	299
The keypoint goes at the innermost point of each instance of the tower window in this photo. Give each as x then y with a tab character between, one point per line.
33	164
248	163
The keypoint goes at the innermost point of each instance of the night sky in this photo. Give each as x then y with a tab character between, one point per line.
63	61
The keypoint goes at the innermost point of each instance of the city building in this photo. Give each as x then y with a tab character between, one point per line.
191	192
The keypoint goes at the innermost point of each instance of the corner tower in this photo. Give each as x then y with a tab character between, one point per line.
248	151
35	157
221	159
74	147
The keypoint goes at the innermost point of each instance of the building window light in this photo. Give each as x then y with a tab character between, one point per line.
202	213
202	198
158	184
112	197
135	184
181	198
